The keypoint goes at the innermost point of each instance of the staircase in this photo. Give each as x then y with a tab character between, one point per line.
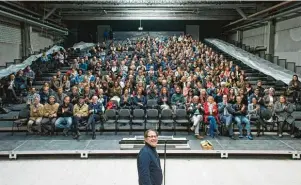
261	52
267	81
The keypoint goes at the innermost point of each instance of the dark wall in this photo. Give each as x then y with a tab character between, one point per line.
86	30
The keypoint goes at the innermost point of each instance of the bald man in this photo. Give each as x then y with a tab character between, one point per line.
95	112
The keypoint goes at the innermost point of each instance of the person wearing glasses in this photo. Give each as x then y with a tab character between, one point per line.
148	161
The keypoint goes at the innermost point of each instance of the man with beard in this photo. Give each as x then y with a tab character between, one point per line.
65	113
81	113
50	115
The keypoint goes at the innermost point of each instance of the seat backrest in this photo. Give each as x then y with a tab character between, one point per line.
24	113
166	113
151	103
124	113
138	113
111	113
152	113
181	113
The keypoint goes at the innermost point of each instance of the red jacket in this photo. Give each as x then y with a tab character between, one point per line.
207	112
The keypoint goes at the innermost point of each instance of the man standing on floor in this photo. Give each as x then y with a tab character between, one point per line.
148	162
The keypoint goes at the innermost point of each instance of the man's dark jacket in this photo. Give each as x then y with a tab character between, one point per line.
149	166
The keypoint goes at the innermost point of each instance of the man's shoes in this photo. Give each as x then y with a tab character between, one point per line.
241	136
232	137
192	128
76	136
93	136
65	132
250	137
280	135
199	137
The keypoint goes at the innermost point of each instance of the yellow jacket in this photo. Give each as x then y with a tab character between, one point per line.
50	109
39	113
82	111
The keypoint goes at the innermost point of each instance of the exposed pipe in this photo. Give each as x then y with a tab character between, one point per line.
261	12
267	19
9	15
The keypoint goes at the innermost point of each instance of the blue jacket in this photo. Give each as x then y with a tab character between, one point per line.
97	108
149	166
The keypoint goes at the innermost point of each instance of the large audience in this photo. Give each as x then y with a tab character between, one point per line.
178	73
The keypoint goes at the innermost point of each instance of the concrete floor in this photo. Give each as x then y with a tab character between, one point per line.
123	172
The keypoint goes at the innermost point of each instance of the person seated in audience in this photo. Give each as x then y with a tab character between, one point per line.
87	93
189	98
66	83
211	115
74	95
11	93
126	100
254	113
30	96
256	95
283	111
44	58
151	91
80	114
164	99
225	111
294	88
45	93
21	82
36	115
240	111
60	95
243	96
95	114
115	90
103	99
65	114
55	83
49	115
79	78
269	101
139	101
177	100
260	88
196	111
82	65
30	75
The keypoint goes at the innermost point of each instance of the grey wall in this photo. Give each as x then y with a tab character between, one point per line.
10	43
40	40
194	31
255	37
287	39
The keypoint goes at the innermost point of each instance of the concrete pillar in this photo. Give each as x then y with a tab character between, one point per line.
26	43
239	36
270	34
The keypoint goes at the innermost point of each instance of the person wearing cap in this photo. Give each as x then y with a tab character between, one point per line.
80	113
36	115
49	115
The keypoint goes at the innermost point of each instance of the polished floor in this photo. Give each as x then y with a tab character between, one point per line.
123	172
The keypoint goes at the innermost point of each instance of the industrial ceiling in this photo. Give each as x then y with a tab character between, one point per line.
238	13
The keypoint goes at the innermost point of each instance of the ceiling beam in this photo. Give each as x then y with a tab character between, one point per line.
49	13
211	6
241	13
143	17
